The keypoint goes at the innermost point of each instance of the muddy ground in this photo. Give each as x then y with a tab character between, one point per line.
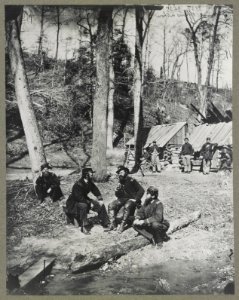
197	259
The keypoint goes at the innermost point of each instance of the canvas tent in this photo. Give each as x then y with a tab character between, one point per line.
164	134
220	133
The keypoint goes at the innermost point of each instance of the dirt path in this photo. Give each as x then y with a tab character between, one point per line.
195	260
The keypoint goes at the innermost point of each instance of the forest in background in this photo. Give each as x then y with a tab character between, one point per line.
64	91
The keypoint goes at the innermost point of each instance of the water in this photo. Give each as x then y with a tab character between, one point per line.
171	277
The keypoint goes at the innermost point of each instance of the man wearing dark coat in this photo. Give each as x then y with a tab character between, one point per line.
151	219
48	184
154	151
186	152
129	193
79	204
207	154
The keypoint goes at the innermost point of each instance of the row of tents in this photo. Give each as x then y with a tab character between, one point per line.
174	134
171	136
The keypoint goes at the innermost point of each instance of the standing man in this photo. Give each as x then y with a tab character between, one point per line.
48	184
129	193
154	151
186	152
79	203
150	218
207	154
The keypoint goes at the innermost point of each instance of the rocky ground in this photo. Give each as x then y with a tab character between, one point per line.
197	260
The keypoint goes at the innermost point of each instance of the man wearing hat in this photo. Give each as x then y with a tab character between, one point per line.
48	184
154	151
207	152
79	203
186	152
129	193
150	218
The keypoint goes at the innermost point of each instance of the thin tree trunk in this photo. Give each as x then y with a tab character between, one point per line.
58	31
99	147
110	115
40	53
137	93
33	138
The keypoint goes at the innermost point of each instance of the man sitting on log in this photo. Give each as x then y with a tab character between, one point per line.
129	193
150	220
48	184
78	204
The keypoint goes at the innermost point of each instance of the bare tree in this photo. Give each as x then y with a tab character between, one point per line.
99	146
202	30
33	138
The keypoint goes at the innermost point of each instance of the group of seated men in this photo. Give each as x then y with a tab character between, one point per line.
147	217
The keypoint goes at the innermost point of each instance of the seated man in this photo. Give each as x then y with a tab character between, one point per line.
129	193
150	218
48	184
79	204
226	159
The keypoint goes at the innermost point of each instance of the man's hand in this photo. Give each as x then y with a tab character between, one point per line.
138	222
49	190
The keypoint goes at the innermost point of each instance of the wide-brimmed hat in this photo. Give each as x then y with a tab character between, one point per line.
120	168
87	170
46	165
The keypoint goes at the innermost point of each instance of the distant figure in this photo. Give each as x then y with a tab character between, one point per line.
145	157
186	152
226	159
154	151
48	184
207	155
129	193
79	204
150	217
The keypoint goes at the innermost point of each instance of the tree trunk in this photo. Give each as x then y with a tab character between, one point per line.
137	93
33	138
110	115
97	258
58	31
40	53
99	162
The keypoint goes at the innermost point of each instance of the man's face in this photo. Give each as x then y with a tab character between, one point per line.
186	141
122	174
89	175
148	196
208	140
45	171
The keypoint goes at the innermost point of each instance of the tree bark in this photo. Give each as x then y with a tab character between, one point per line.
137	93
99	147
110	115
58	30
40	52
33	138
97	258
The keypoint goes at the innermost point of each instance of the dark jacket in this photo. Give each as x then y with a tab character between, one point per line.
152	212
207	150
151	149
187	149
130	189
80	192
43	183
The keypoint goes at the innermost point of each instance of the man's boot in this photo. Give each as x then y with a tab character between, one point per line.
122	227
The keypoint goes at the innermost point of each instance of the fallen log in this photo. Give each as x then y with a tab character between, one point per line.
93	260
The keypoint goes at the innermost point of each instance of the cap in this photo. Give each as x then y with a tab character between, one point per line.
46	165
120	168
86	170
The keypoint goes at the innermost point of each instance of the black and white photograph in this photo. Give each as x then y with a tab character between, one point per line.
119	149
